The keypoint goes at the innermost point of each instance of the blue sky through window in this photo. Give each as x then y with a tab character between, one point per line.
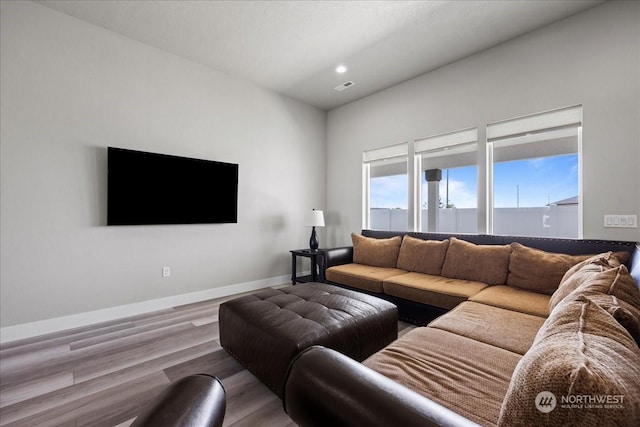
535	182
527	183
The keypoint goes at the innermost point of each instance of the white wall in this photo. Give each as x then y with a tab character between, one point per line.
591	59
69	90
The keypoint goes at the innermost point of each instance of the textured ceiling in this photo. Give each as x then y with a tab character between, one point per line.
293	47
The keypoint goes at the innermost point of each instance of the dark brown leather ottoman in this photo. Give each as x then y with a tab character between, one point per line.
266	330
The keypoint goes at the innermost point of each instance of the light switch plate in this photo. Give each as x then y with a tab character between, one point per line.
621	221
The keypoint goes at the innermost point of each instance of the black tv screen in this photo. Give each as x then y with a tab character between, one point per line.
149	188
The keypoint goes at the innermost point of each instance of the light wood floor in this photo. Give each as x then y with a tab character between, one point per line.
101	375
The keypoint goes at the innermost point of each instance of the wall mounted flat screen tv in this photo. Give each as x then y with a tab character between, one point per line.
148	188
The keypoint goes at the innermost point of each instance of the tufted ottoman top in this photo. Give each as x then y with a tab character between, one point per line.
266	329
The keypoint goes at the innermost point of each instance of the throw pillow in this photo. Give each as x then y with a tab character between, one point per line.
582	357
621	257
613	289
376	252
624	313
480	263
579	274
422	256
616	281
537	270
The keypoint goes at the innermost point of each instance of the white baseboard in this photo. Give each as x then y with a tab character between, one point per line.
41	327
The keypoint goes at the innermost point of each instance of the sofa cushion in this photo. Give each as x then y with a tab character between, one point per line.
615	281
511	298
480	263
422	256
580	351
537	270
614	290
607	259
433	290
376	252
581	273
625	314
361	276
491	325
464	375
621	257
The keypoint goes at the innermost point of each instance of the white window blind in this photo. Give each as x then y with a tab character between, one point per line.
386	153
564	117
445	140
551	143
448	150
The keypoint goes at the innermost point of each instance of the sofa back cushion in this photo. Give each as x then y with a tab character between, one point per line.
624	313
481	263
614	290
537	270
376	252
580	353
614	281
422	256
582	273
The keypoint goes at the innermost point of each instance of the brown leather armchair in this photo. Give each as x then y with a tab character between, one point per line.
193	401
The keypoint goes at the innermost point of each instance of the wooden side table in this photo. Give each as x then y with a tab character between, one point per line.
316	258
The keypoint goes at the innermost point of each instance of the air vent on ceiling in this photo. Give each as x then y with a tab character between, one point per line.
344	86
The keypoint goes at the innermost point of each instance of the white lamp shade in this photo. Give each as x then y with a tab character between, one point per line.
314	218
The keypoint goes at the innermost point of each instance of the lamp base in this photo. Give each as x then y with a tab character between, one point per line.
313	241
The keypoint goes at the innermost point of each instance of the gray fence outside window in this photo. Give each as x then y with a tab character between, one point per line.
546	221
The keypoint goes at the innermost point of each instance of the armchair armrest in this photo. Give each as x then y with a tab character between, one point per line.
338	256
193	401
324	387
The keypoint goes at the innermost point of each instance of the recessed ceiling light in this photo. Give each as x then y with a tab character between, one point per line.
340	69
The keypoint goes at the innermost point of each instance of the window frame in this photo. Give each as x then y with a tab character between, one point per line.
463	138
369	157
413	150
547	121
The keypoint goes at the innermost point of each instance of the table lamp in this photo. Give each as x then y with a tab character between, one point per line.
314	219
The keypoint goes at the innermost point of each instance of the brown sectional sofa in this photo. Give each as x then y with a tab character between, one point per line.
565	324
428	274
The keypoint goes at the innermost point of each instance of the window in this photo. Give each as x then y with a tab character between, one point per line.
448	183
386	194
534	175
532	180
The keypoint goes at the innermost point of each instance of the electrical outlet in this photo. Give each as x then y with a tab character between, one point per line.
621	221
166	271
